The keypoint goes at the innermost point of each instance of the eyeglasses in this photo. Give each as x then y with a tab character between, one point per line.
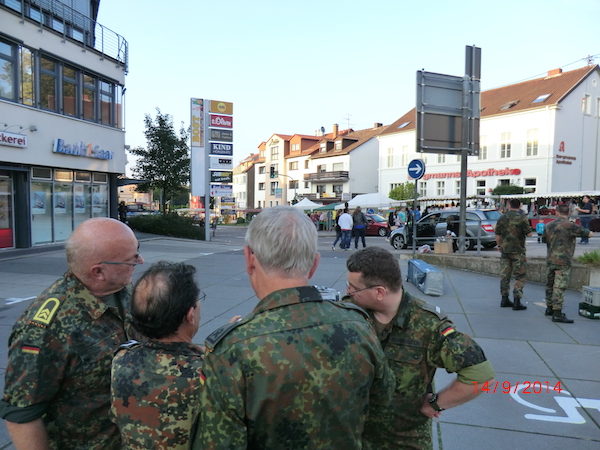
135	263
348	286
202	297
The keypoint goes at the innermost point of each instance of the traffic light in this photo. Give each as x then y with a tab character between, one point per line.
272	175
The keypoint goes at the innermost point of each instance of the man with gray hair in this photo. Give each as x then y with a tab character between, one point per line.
298	371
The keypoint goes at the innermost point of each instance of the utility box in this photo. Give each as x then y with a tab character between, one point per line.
591	295
425	277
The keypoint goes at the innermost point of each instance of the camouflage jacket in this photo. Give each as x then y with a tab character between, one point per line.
560	236
155	392
60	352
513	227
421	339
298	372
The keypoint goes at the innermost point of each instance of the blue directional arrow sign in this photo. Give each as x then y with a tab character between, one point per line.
416	169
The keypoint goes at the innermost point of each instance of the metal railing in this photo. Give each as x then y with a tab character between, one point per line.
335	175
71	24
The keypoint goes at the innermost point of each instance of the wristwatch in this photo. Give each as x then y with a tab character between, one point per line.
433	403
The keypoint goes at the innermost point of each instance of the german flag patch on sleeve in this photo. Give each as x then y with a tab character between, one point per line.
31	349
447	331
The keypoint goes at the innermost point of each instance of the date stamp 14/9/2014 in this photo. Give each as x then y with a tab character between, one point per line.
506	387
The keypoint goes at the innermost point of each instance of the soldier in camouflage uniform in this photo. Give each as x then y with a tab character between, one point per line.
511	230
560	236
57	390
299	371
155	386
417	338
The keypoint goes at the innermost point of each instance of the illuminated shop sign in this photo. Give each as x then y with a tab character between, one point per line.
81	149
474	173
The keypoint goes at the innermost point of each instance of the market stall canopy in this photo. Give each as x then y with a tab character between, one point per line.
375	200
329	207
572	194
307	204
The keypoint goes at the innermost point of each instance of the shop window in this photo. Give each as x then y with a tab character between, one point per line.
41	173
100	178
85	177
63	175
70	91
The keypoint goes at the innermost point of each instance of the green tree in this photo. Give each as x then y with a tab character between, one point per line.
507	189
403	192
165	162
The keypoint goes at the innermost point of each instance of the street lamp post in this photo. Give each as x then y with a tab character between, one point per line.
295	183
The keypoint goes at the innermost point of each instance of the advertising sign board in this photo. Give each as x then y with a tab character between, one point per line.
221	190
218	148
218	176
221	107
217	120
221	135
220	162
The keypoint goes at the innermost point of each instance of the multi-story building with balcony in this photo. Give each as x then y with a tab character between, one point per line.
541	134
62	142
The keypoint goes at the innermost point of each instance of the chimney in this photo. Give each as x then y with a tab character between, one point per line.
554	72
377	125
335	131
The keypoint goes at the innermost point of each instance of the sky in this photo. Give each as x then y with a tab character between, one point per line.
292	67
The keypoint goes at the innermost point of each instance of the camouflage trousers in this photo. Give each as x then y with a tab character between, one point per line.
557	280
513	265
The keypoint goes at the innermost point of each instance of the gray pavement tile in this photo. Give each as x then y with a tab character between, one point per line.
538	413
580	362
520	326
514	357
586	395
462	437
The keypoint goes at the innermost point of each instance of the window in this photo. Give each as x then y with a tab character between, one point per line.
541	98
306	164
404	156
504	182
261	154
482	148
293	184
323	147
390	158
422	188
320	189
274	186
457	187
27	77
530	185
275	153
106	102
295	147
41	173
338	145
89	97
402	125
532	142
8	67
48	83
480	187
261	170
83	177
440	187
100	178
70	91
338	189
261	187
338	167
441	158
322	168
505	145
394	185
63	175
586	105
306	184
508	105
293	165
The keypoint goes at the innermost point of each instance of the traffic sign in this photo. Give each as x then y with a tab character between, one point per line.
416	169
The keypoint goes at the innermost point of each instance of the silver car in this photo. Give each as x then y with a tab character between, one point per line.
480	223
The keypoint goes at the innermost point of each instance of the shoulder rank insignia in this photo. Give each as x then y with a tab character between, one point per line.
46	312
435	310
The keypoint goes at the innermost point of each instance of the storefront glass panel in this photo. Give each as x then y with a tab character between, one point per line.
6	208
100	201
41	212
82	205
63	211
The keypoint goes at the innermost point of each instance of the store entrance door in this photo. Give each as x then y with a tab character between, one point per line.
6	212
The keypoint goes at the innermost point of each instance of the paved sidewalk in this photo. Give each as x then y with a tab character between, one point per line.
523	346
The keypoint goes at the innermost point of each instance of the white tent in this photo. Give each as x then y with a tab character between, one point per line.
375	200
307	204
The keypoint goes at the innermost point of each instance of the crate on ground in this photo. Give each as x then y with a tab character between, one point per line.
443	247
589	311
427	278
591	295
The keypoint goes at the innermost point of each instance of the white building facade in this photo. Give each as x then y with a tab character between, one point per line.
62	143
542	135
